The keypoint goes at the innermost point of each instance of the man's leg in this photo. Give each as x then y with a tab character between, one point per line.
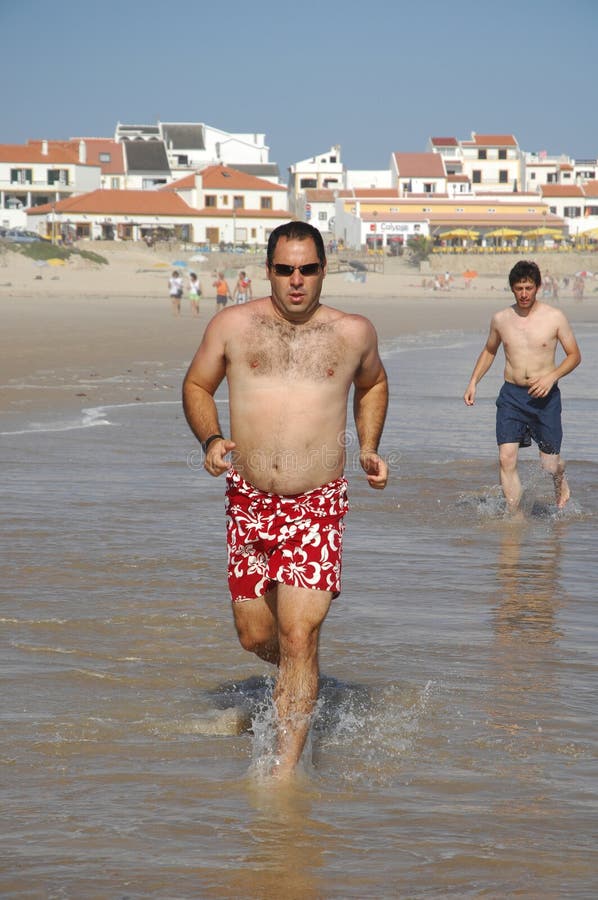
552	463
257	627
509	477
300	614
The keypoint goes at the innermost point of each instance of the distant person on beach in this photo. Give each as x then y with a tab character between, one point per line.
529	402
222	290
290	363
175	290
194	293
243	291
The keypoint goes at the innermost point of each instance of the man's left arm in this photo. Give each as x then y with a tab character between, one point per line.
369	409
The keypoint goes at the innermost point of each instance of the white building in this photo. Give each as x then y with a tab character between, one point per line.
324	171
41	172
187	146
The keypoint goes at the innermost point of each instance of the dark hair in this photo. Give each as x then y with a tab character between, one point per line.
295	231
523	270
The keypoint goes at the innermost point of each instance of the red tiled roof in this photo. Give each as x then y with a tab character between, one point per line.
561	190
96	146
185	183
444	142
132	203
226	178
493	140
590	188
32	153
420	165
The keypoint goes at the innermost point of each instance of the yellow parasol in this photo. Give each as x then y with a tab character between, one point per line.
503	233
460	233
544	231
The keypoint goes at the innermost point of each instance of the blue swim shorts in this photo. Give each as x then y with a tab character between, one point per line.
521	418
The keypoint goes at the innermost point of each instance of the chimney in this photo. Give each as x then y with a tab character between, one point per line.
82	152
44	148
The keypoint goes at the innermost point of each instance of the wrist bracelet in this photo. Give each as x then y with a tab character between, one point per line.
208	441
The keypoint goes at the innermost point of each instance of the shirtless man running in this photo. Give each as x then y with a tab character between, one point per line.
290	363
529	402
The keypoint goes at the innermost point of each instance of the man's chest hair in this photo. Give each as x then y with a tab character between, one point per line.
314	350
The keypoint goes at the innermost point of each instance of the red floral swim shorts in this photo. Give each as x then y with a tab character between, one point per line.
296	540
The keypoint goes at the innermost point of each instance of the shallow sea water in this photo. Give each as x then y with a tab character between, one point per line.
454	750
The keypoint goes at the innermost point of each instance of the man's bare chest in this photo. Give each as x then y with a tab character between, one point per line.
269	348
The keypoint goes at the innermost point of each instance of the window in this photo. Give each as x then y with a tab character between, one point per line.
322	216
224	200
308	183
429	187
482	154
333	159
21	176
182	160
502	154
58	176
114	184
254	233
238	202
265	202
503	176
591	211
105	157
476	176
532	176
572	212
210	200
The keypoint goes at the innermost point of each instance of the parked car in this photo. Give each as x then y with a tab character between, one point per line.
21	236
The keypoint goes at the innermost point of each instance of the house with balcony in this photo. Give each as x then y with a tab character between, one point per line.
41	173
493	162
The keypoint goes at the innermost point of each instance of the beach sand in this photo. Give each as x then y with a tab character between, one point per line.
77	326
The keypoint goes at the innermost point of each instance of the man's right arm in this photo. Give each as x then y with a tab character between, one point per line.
483	363
206	372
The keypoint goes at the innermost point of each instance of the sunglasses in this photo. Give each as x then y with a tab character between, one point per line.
285	271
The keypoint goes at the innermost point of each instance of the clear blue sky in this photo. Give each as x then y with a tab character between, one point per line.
374	77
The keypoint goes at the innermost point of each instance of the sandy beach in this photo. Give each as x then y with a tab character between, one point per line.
94	322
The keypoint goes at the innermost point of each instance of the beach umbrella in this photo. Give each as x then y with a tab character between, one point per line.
56	261
469	274
592	233
584	274
503	233
198	257
180	264
460	233
544	231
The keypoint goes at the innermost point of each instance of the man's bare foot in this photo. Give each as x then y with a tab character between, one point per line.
561	490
